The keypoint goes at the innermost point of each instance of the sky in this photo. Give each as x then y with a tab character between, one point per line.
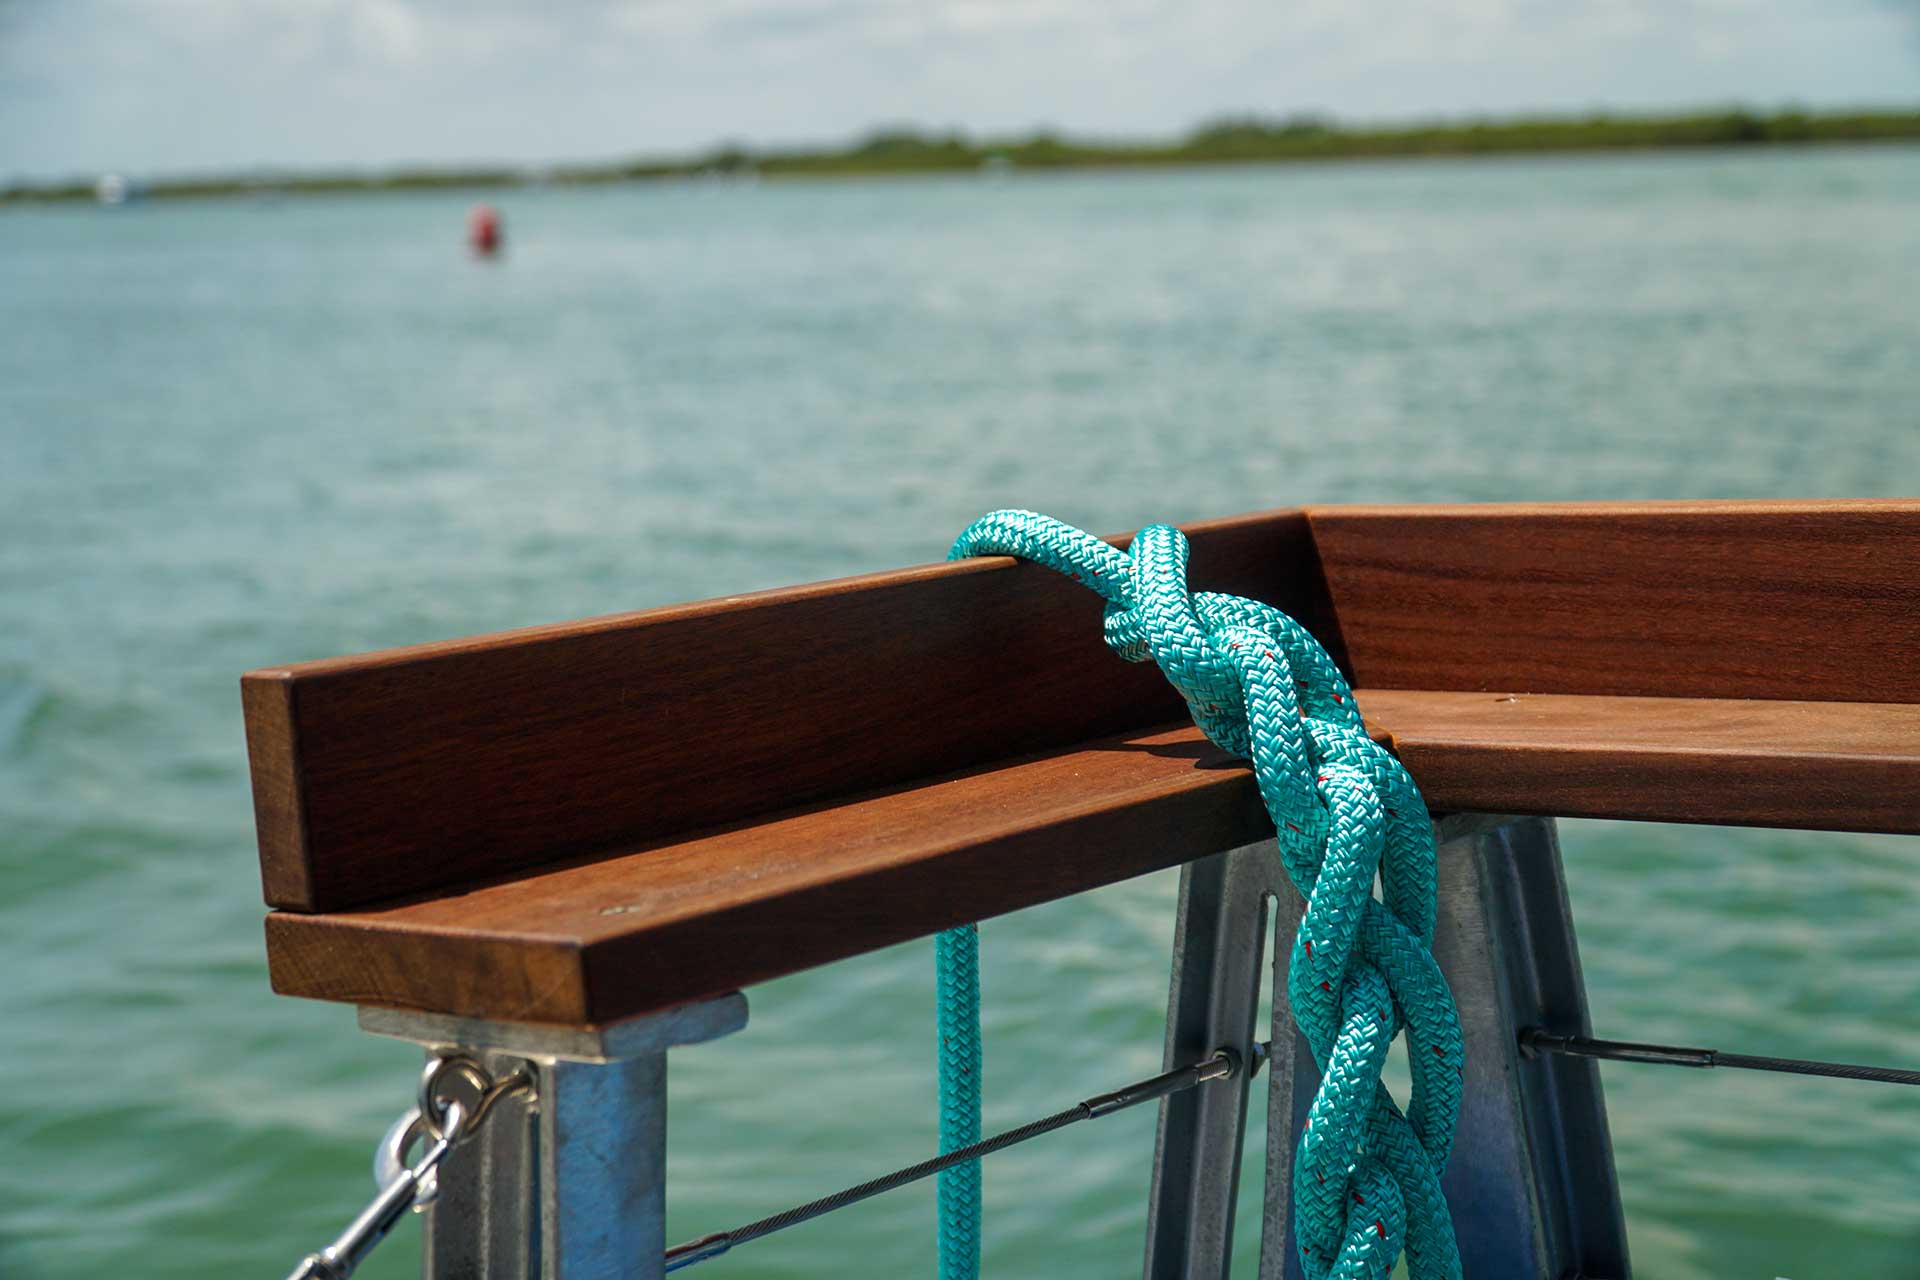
154	87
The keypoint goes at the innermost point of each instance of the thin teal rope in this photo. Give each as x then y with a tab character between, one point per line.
957	955
1366	1175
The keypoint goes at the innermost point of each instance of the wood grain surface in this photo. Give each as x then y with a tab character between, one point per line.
671	922
676	921
1813	601
1831	766
433	766
580	822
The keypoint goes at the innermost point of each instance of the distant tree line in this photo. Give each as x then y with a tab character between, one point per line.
1241	139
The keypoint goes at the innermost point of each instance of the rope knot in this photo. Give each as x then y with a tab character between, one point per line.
1345	813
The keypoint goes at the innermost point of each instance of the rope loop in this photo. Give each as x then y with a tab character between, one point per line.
1345	813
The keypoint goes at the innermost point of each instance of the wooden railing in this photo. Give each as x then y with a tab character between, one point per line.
558	851
580	822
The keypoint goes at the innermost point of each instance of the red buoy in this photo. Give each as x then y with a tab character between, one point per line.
483	231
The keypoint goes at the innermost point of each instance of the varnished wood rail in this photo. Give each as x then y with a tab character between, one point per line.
429	767
1798	600
581	822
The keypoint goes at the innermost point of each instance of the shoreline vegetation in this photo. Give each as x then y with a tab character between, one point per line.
1236	140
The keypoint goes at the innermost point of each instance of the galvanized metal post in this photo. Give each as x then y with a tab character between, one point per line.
1531	1181
569	1184
1213	1004
1292	1079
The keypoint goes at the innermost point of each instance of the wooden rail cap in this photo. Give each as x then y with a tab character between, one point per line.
576	823
1816	601
425	768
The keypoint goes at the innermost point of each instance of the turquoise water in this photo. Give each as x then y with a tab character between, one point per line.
237	433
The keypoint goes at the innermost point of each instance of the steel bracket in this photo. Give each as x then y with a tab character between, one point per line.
569	1184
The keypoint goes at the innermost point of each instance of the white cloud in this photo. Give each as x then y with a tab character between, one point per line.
386	30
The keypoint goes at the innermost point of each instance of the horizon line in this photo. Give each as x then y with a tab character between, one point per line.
912	147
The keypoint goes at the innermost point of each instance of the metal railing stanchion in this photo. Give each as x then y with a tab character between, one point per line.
1213	1004
568	1182
1531	1181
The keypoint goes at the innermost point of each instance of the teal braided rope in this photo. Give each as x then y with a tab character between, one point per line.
1366	1175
